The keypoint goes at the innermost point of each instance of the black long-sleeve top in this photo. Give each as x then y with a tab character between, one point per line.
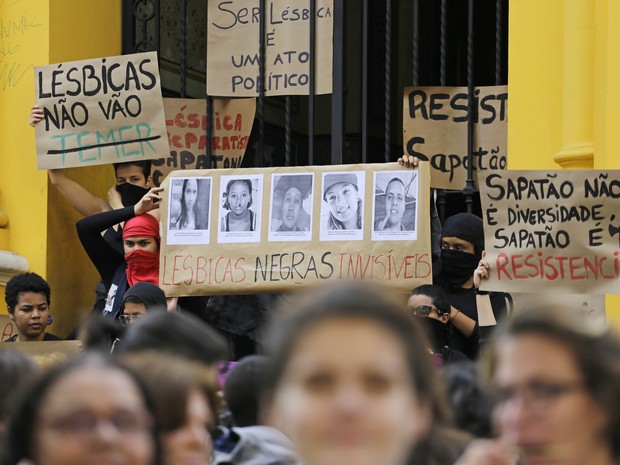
104	256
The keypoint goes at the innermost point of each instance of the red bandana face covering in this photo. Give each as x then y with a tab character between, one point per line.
142	267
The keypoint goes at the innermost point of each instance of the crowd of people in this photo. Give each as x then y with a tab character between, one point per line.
346	374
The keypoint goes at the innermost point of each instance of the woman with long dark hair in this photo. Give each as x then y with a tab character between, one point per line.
188	218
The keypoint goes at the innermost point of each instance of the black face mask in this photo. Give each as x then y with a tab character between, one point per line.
437	332
458	266
130	193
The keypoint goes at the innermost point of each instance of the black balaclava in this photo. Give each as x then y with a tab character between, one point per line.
458	266
149	294
130	193
437	332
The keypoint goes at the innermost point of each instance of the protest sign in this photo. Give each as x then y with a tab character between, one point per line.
100	111
233	32
53	350
557	230
186	121
435	130
282	229
7	328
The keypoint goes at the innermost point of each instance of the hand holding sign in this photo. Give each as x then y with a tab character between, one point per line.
482	272
149	202
36	115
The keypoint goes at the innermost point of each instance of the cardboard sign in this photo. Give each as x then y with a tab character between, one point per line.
233	32
7	328
435	130
282	229
48	348
557	230
186	122
100	111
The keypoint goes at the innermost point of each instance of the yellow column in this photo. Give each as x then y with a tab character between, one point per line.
24	35
35	221
578	94
607	102
535	83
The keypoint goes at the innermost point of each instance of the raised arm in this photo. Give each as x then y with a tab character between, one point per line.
462	322
105	258
89	229
79	198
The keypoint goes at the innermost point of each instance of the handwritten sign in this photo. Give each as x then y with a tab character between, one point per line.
233	32
186	122
7	328
556	230
281	229
435	130
55	350
100	111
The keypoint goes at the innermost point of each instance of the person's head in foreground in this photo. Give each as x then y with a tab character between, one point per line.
184	405
341	193
179	334
27	298
351	380
243	388
86	411
17	372
556	384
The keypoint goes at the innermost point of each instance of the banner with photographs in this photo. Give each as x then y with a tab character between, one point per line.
552	230
281	229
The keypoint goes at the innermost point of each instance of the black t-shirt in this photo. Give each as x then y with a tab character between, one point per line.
465	301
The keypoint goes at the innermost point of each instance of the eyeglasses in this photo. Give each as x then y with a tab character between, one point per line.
538	395
129	319
424	310
85	423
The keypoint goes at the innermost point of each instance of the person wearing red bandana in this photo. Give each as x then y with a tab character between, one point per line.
140	260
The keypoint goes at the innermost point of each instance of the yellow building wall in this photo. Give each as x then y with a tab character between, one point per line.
563	81
41	222
24	32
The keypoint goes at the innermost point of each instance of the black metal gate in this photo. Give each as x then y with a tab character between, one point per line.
380	47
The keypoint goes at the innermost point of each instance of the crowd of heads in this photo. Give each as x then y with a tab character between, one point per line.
346	376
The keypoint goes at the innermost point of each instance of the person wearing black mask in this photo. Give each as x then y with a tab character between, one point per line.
430	304
462	247
133	180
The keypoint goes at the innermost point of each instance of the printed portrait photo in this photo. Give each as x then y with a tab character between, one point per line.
342	209
240	208
394	208
291	207
188	210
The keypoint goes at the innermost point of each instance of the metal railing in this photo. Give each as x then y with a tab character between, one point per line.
453	42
